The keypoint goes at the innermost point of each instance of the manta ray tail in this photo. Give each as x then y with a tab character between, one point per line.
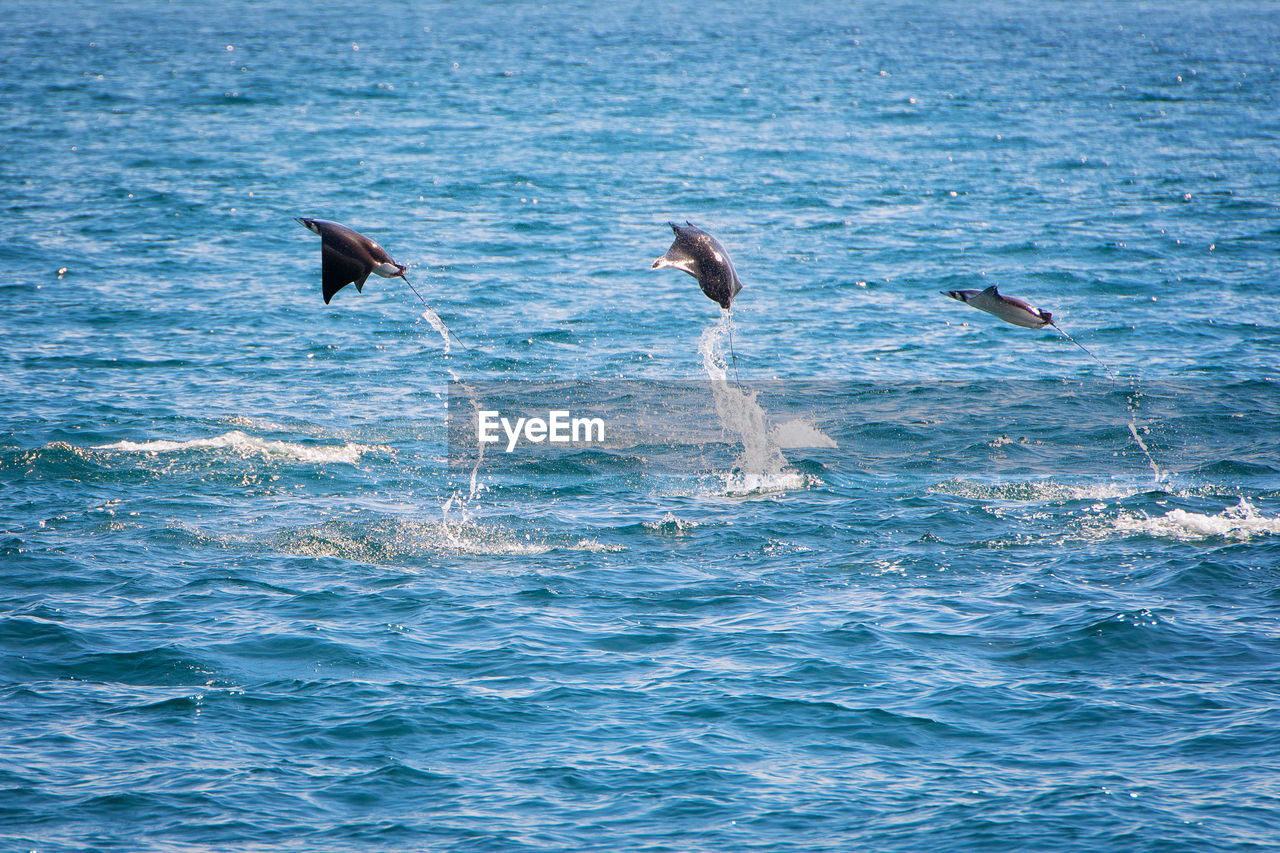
1105	366
428	307
733	356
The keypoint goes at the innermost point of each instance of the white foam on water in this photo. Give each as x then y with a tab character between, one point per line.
1240	522
244	444
741	484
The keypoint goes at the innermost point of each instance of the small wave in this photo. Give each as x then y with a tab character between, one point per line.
669	523
1240	522
248	445
53	453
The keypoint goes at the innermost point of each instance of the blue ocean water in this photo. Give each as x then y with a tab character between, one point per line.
969	593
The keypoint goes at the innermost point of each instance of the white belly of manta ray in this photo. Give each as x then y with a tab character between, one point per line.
387	270
1015	314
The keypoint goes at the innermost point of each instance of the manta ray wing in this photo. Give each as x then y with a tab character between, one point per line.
338	271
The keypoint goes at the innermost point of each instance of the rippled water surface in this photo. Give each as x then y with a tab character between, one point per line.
919	579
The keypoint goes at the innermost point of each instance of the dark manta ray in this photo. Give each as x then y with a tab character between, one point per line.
701	256
1015	311
347	257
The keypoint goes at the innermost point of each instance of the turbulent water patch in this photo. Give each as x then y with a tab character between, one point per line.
1038	490
400	541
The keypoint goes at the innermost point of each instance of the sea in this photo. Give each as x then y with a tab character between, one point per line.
855	566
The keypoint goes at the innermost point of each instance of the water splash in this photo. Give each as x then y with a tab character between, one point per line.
1133	394
760	467
1132	406
433	318
474	485
799	433
436	323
